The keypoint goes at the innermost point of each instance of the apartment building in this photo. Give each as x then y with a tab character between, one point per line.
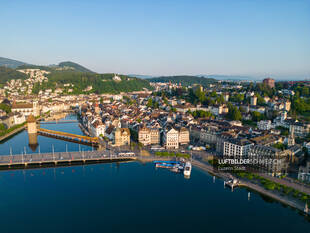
237	148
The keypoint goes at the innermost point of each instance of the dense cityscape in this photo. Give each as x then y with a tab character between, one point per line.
221	119
155	116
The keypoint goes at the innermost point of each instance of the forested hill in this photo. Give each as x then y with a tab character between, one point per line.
62	66
10	63
184	80
100	83
74	66
7	74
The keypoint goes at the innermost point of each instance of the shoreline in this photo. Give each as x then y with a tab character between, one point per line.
254	187
12	133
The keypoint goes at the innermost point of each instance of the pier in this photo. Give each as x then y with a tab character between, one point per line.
60	158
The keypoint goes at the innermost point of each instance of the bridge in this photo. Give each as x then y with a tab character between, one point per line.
58	122
61	158
69	136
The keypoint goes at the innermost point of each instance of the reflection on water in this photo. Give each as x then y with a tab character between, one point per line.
33	141
22	143
127	197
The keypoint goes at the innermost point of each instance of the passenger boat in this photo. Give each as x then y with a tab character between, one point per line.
187	169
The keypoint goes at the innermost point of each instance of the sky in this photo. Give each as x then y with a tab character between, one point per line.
161	37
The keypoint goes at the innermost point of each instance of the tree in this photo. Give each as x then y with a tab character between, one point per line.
149	103
257	116
234	113
5	107
2	127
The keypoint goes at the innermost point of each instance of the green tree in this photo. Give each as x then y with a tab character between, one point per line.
234	113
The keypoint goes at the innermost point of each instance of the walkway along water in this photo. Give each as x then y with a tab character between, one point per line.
249	185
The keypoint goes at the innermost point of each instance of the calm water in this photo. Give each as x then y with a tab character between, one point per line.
129	197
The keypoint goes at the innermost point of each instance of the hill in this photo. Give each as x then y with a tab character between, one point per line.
73	66
185	80
228	77
100	83
8	74
10	63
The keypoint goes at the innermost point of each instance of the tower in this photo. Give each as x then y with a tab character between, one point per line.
36	108
253	100
97	109
291	138
31	124
32	132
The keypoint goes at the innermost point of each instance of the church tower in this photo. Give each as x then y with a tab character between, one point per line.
291	138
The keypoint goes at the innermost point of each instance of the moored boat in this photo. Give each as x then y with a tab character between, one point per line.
187	169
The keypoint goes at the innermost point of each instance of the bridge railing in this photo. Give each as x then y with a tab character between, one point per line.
58	157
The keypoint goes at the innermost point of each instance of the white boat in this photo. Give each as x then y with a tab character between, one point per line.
187	169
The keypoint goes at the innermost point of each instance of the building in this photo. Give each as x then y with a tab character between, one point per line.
300	129
290	140
197	87
264	125
171	138
287	105
155	136
254	100
237	148
270	159
183	136
26	109
122	137
269	82
97	129
148	136
19	118
304	172
226	96
144	136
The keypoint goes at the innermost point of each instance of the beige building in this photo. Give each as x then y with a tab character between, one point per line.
122	137
145	136
253	100
183	136
148	136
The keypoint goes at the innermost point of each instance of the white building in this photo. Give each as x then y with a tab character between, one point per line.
171	138
264	125
237	147
19	119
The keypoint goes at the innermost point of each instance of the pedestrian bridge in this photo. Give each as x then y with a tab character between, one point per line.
22	161
69	136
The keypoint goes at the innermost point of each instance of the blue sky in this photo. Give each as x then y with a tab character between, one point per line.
166	37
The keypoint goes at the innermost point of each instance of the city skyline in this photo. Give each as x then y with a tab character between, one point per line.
164	38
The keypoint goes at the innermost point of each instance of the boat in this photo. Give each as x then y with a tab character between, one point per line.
164	165
187	169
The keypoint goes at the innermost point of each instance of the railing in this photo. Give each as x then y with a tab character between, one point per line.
58	157
68	135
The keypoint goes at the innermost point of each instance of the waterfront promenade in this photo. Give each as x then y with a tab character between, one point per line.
15	131
247	184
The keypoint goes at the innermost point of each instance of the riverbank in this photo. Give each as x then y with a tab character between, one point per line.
13	132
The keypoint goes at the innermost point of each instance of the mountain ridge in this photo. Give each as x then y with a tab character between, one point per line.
10	63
